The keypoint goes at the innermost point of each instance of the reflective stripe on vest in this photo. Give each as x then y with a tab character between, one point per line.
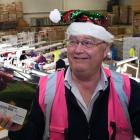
117	106
118	116
118	84
55	93
48	100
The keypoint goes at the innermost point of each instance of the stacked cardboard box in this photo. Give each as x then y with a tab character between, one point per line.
19	10
136	5
116	14
111	19
116	30
11	12
54	33
19	7
44	21
121	31
130	14
136	16
11	7
12	16
4	16
121	15
15	11
136	22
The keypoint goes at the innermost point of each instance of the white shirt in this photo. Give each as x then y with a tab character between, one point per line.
102	85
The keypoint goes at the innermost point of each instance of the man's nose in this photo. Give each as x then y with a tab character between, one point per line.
79	47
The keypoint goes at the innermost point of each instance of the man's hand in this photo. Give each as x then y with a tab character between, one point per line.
6	123
4	78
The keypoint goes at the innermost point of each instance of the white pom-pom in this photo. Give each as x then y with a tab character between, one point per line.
55	16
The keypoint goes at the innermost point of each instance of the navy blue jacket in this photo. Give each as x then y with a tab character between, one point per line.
79	128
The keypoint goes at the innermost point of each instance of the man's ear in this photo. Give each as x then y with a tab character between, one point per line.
107	50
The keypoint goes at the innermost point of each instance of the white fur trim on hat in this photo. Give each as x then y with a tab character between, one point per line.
87	28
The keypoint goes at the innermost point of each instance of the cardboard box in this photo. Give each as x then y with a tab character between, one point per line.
2	7
136	5
115	10
19	15
136	15
55	33
12	17
136	22
11	7
116	13
129	30
130	15
116	30
111	19
4	16
123	14
19	6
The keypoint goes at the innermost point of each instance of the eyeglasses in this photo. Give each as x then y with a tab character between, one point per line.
84	43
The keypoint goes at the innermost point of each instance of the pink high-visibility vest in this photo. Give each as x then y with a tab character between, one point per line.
117	106
52	98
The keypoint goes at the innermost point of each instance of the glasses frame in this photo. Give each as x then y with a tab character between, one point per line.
75	43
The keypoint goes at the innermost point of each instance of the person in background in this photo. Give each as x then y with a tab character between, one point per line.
32	53
23	56
51	58
90	101
40	61
18	54
132	53
113	52
56	54
60	63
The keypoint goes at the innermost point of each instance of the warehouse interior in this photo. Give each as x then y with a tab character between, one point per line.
18	18
25	26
